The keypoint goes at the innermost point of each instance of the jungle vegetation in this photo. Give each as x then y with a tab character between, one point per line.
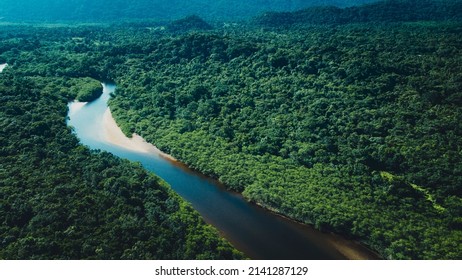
87	89
353	127
58	199
381	11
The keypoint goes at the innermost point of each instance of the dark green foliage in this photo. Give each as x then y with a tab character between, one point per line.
58	200
382	11
307	121
355	129
188	24
87	89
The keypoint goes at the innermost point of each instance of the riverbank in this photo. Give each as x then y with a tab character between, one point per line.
350	249
114	135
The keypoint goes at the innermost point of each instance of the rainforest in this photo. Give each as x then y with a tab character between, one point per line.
345	117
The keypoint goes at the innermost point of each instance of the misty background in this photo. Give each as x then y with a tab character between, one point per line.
118	10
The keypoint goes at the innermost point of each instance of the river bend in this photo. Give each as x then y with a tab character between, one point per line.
258	233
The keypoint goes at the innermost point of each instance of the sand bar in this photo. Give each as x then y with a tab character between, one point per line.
114	135
3	66
75	106
352	250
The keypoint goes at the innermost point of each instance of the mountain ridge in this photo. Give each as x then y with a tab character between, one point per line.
382	11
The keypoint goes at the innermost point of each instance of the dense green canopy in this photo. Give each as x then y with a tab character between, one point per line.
352	127
381	11
58	200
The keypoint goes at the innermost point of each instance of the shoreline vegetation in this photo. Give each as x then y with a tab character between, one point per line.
62	201
360	103
112	133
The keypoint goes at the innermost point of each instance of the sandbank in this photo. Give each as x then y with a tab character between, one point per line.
114	135
3	66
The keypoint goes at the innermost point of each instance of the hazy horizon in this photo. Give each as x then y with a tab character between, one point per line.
115	10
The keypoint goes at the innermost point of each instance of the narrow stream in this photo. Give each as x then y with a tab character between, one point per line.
258	233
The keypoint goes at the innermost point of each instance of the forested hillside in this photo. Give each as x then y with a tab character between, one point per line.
115	10
382	11
58	200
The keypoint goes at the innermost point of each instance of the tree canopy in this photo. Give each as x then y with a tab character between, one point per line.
354	128
59	200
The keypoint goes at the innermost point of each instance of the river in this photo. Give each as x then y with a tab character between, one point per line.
256	232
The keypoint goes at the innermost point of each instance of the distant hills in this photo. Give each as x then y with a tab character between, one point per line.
383	11
188	23
116	10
